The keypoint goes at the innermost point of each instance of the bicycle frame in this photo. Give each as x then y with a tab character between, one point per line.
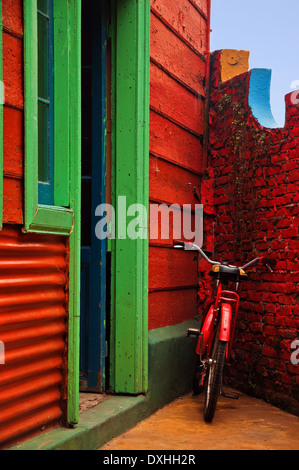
224	310
213	350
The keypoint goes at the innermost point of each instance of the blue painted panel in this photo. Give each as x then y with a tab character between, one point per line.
259	97
93	276
84	302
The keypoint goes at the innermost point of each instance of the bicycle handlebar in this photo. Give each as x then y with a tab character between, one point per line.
269	263
192	247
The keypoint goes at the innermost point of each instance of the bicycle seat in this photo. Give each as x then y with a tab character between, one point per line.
224	272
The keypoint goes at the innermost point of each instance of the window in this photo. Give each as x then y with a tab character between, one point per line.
49	48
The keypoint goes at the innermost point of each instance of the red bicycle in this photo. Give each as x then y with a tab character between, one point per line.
216	334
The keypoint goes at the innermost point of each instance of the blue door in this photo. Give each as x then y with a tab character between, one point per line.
93	181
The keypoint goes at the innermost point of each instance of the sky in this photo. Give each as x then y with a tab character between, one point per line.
269	29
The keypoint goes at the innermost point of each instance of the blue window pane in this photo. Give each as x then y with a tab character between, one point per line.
43	142
45	101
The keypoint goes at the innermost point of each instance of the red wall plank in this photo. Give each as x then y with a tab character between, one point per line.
174	143
171	183
176	102
171	307
175	56
163	231
13	70
12	201
177	270
13	144
12	16
184	19
13	127
171	227
202	5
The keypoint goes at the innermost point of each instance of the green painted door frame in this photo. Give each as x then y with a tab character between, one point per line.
58	219
75	204
130	35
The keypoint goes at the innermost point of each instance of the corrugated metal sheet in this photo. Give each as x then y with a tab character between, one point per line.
33	280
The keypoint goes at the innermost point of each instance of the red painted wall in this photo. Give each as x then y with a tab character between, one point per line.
254	210
178	85
13	140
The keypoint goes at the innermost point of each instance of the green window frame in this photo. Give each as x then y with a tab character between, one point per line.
53	214
64	216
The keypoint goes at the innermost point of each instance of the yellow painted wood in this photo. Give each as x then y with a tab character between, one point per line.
233	63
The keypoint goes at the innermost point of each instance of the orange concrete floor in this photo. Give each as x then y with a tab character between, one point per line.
244	424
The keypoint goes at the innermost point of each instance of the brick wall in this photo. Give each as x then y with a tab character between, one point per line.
251	206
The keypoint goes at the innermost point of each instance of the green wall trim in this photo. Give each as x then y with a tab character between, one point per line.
172	360
130	168
75	204
54	219
171	363
30	111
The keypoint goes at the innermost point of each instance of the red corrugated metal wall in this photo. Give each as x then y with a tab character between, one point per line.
33	277
178	85
33	315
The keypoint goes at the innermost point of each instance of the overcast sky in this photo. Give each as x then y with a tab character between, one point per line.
269	29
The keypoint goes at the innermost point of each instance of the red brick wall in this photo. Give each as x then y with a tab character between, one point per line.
178	79
254	209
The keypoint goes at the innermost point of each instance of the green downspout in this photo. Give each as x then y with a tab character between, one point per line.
75	204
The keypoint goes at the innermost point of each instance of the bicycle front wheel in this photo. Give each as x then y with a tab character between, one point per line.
215	376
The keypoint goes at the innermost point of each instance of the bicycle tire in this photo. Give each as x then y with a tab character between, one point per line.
215	375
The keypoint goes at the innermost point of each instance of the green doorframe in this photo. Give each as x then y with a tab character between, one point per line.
130	34
55	219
